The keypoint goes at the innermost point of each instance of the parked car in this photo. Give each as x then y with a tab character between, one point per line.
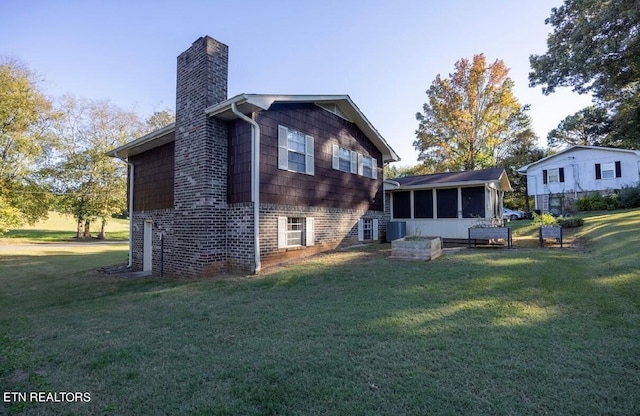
510	214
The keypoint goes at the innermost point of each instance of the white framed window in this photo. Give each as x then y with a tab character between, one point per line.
344	159
295	232
608	170
367	166
295	151
367	229
553	175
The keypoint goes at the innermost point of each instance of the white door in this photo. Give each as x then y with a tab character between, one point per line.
147	258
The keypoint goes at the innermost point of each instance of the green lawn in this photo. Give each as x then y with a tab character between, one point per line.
60	227
484	331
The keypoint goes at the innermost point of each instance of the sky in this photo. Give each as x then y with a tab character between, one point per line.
383	54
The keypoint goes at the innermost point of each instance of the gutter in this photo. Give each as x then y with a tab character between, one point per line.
115	154
255	181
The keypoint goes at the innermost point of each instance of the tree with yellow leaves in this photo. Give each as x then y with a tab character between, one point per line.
472	119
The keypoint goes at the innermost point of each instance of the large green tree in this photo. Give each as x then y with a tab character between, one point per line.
595	48
24	143
589	127
471	119
92	185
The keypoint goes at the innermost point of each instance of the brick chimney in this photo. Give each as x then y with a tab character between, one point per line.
201	148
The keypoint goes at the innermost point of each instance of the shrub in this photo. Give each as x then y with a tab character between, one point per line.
570	222
598	202
630	196
544	219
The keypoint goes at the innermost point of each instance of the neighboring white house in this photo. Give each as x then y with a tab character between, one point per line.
447	204
557	181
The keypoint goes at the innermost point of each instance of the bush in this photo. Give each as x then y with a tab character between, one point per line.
544	219
599	202
630	196
570	222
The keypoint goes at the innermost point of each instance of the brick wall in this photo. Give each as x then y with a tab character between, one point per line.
162	220
200	195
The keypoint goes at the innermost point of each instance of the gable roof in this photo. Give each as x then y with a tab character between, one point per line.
341	105
570	149
452	179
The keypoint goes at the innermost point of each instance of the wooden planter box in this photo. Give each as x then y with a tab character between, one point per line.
550	232
408	248
490	233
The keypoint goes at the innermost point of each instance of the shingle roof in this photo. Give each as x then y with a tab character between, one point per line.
484	175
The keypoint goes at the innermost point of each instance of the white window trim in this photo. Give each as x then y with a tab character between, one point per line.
308	232
283	151
557	175
374	229
612	170
374	166
353	167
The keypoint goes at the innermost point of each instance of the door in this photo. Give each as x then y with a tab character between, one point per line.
147	250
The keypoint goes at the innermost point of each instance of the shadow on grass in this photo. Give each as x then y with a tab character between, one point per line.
479	332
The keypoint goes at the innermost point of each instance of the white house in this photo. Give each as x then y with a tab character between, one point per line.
557	181
447	204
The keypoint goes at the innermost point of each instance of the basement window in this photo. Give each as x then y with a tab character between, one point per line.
295	232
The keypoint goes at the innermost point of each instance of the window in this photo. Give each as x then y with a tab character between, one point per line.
295	232
423	204
401	204
295	151
447	203
555	175
608	170
473	202
344	159
367	229
367	166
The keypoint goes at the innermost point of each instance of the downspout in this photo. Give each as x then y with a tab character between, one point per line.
255	181
130	264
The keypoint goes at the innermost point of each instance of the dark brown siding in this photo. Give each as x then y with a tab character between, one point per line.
328	187
239	162
153	178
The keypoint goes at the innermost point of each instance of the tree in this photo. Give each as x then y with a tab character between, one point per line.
24	143
92	185
588	127
595	47
160	119
471	118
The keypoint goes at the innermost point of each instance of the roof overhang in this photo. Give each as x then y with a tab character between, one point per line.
250	103
147	142
501	183
523	169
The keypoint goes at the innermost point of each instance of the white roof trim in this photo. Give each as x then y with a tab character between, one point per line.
141	144
523	170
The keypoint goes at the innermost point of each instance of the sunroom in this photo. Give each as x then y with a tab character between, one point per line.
447	204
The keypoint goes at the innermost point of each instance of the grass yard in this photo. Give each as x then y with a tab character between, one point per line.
484	331
61	227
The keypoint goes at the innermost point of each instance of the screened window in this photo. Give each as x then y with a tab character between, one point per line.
473	202
423	204
401	204
447	203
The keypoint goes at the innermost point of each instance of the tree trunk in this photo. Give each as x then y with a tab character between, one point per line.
79	230
103	234
87	229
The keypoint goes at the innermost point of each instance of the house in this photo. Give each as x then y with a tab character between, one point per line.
241	182
447	204
557	181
